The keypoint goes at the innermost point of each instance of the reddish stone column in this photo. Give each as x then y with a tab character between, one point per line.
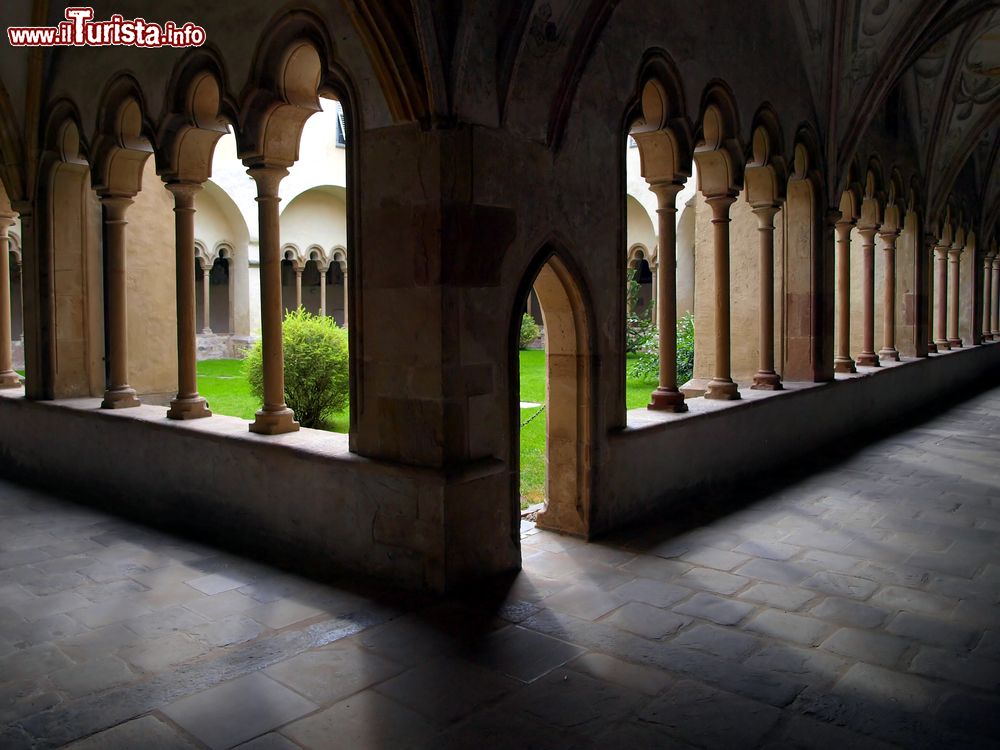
206	296
888	350
941	288
274	417
298	287
995	325
721	386
867	357
667	397
954	290
766	378
322	287
119	394
842	361
188	404
343	271
8	378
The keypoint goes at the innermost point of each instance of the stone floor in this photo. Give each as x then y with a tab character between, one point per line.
854	608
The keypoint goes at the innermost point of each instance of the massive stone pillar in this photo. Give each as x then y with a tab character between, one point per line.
666	397
8	378
987	329
721	386
274	417
766	378
842	361
188	404
867	357
119	394
941	290
954	287
888	350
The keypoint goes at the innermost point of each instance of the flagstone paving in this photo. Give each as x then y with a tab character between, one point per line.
857	606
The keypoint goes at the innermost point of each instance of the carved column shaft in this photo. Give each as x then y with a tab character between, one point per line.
322	288
722	386
667	397
766	378
954	291
888	351
8	378
119	393
843	362
275	417
995	325
867	357
987	329
941	290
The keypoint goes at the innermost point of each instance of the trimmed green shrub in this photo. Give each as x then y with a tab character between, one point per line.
316	371
529	331
646	365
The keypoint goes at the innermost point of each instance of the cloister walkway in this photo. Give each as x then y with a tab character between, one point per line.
856	607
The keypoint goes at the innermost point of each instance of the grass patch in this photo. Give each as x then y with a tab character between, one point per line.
224	384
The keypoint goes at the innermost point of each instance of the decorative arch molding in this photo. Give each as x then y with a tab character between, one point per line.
123	139
292	253
718	150
638	252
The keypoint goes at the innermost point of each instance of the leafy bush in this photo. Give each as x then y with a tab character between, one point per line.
646	366
316	371
529	331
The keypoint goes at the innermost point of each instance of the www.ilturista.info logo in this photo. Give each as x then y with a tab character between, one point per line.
80	30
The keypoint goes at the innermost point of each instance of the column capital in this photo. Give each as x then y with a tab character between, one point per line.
666	193
7	219
765	213
115	205
205	264
184	193
268	178
868	232
889	237
956	251
720	205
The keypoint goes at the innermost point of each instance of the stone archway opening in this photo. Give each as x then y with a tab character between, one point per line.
564	415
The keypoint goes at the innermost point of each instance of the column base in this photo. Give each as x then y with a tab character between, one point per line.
955	343
120	398
663	399
942	345
931	348
10	379
206	331
188	408
722	390
274	422
888	354
844	364
868	359
767	381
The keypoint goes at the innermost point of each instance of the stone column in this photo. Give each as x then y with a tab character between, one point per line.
119	394
206	296
322	288
987	296
188	404
721	386
867	357
842	361
653	271
666	397
995	325
888	350
954	288
343	270
766	378
931	346
8	378
275	417
298	287
941	291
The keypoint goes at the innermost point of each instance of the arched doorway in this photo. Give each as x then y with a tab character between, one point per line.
568	400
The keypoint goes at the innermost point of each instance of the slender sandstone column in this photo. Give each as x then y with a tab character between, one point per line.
188	404
298	287
119	394
666	397
322	288
995	325
987	296
8	378
721	385
867	357
653	271
343	269
275	417
941	287
206	297
888	350
931	244
954	289
766	378
842	362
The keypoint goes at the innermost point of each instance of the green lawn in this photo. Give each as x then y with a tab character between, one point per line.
222	382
